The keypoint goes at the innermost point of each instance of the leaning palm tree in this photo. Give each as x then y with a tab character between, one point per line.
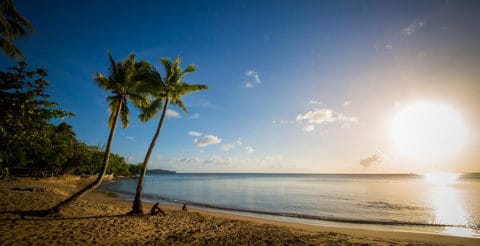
12	26
124	83
168	90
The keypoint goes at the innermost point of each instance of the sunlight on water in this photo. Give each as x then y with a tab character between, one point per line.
447	203
448	206
441	178
460	231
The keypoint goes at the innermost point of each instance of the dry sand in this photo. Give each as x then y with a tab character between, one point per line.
99	218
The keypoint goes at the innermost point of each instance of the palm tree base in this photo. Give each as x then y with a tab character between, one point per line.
137	208
136	212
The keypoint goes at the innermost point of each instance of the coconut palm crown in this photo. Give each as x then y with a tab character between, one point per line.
124	81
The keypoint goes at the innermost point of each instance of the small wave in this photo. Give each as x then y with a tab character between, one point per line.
392	206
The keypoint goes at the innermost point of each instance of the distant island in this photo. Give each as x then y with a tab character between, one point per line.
155	171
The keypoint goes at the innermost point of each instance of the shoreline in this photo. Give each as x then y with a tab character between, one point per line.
310	220
339	227
100	218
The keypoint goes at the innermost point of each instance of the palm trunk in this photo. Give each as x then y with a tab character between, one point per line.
57	208
137	207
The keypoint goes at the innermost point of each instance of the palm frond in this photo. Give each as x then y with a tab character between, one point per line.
12	26
150	81
140	100
151	110
166	63
102	81
130	66
186	88
125	114
113	64
190	69
113	99
10	49
112	107
180	104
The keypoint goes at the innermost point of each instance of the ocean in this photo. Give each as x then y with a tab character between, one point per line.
443	203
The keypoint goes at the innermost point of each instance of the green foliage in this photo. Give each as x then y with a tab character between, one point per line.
135	168
30	144
25	130
12	26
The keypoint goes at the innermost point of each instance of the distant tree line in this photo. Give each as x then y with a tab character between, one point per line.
30	144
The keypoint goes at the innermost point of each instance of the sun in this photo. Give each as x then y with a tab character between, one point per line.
428	132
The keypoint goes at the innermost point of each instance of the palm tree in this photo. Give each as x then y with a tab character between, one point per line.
123	82
12	26
171	89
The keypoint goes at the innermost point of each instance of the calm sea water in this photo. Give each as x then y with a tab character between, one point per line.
439	203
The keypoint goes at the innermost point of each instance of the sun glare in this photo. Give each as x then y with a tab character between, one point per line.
428	132
441	178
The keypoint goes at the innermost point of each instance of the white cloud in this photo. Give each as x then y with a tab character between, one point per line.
195	134
189	159
250	149
346	119
252	74
216	160
130	159
269	161
308	128
231	163
375	159
207	140
227	147
172	114
283	122
130	138
318	116
239	141
195	116
409	30
230	146
324	116
315	102
346	103
388	46
219	160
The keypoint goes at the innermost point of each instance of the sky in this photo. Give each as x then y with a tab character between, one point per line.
295	86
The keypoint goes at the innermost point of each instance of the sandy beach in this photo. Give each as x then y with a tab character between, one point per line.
99	218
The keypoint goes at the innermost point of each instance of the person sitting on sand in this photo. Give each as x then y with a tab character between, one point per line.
156	210
5	172
184	207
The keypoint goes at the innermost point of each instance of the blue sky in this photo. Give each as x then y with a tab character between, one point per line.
295	86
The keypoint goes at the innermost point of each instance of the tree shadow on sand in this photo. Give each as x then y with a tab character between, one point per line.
41	215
